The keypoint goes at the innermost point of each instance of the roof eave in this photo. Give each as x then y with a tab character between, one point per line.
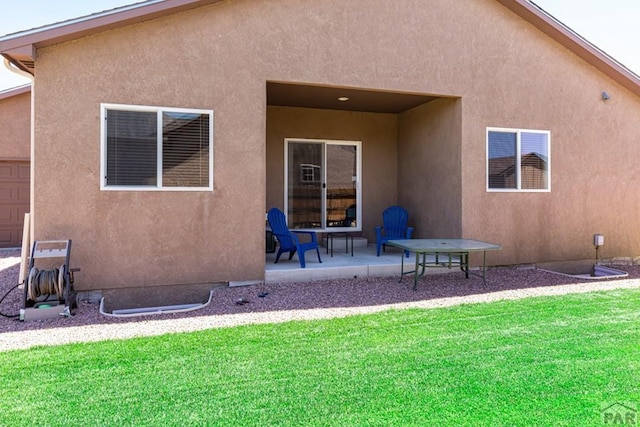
575	43
21	47
22	57
15	91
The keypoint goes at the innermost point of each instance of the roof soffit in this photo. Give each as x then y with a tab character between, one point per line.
287	94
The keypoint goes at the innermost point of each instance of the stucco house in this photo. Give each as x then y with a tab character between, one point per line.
163	132
15	143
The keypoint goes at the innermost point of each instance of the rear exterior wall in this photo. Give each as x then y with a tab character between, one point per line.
499	71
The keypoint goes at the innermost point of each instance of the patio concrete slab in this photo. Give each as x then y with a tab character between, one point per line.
363	263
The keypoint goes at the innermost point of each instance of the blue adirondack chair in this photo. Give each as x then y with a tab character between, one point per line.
288	240
395	220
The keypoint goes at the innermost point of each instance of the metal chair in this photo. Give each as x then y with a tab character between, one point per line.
394	219
288	240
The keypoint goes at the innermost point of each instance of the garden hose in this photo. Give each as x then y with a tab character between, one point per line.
2	299
45	282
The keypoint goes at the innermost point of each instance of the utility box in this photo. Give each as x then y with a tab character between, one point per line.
270	243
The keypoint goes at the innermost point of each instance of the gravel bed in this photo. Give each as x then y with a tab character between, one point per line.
273	303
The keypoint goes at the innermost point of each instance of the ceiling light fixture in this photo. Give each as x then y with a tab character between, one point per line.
343	99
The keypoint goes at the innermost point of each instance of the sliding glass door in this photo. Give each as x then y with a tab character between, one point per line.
322	185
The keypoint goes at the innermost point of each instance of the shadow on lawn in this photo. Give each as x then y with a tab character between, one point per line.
357	292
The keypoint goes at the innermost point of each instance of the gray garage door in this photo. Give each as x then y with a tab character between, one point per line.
14	201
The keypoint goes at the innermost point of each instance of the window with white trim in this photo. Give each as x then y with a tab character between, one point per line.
518	160
156	148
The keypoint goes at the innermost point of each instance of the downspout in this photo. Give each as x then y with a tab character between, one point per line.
31	77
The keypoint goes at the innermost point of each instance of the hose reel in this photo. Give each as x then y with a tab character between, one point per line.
48	290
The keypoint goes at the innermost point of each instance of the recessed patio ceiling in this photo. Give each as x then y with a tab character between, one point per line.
327	97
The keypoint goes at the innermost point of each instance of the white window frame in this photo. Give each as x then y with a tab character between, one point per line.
518	132
159	110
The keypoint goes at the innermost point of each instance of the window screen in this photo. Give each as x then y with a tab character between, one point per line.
185	150
502	160
534	165
132	148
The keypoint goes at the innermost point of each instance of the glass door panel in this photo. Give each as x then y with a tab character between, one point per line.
304	185
341	183
322	184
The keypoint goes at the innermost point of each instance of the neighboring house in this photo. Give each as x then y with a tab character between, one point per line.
15	143
533	171
165	130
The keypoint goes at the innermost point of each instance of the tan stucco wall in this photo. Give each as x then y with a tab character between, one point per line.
504	72
430	186
539	85
15	127
378	134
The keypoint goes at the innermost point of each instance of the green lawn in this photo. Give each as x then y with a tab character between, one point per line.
539	361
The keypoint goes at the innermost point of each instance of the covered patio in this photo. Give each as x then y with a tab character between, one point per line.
363	263
337	157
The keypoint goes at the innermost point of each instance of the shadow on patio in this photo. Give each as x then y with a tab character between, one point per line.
363	263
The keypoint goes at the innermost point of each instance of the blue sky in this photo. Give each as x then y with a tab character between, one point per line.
612	25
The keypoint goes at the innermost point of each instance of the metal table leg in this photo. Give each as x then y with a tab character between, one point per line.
347	236
417	272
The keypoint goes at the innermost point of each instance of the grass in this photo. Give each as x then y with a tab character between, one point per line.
539	361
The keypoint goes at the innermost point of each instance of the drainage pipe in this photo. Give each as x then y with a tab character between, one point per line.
145	311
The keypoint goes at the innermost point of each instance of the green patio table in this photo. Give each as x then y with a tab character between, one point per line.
454	251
